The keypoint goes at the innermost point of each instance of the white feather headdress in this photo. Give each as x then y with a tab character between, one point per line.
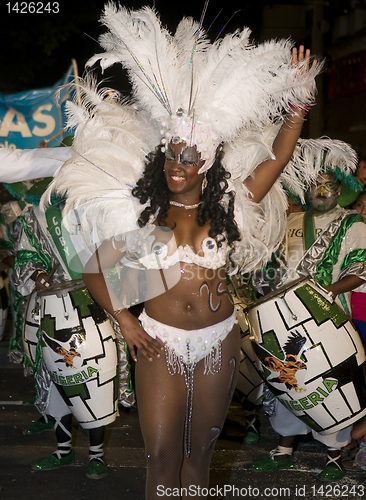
112	140
227	92
204	93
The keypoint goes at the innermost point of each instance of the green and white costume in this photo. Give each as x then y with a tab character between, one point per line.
338	250
9	213
44	242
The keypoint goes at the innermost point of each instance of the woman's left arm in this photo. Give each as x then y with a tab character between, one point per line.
267	172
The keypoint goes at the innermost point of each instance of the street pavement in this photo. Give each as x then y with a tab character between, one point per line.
231	476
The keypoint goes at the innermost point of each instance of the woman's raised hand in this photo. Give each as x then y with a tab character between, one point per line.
302	64
299	55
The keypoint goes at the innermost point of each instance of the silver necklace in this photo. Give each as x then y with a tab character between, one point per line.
182	205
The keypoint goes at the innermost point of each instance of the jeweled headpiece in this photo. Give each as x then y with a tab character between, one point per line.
180	127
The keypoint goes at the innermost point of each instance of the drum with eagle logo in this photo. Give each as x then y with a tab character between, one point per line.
30	327
249	384
310	355
79	349
3	306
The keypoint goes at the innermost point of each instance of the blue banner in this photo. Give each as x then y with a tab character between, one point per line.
28	118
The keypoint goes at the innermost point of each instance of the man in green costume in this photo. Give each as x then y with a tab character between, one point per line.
48	255
327	242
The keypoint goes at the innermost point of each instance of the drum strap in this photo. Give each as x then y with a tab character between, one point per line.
62	240
309	230
281	450
63	436
96	452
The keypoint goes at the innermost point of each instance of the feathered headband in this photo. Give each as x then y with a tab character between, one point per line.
198	92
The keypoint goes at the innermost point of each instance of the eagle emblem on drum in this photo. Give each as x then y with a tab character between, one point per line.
287	368
67	355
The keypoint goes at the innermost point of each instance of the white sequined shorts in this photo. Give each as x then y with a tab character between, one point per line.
190	346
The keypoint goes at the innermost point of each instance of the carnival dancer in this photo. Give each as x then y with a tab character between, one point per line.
10	211
46	258
328	243
203	201
356	450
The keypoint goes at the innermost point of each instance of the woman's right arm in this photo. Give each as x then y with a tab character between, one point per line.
94	276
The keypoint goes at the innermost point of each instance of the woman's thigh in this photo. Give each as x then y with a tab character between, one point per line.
212	394
161	401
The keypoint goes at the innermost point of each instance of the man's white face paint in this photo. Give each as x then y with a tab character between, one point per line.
323	195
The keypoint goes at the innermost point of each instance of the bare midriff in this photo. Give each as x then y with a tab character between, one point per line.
199	299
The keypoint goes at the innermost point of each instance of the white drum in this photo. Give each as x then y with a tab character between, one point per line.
311	355
30	326
4	302
79	349
250	381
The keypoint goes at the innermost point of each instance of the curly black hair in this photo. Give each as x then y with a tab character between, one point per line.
153	188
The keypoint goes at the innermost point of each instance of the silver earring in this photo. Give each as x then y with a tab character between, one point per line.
204	184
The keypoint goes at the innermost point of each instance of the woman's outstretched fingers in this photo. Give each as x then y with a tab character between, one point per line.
301	54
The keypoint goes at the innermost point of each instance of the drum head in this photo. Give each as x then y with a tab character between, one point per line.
278	292
60	289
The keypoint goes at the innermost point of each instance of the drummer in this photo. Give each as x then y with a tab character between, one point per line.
39	263
310	233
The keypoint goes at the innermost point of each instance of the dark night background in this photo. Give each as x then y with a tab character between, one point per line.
37	48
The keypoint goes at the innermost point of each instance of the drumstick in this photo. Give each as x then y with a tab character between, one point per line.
52	272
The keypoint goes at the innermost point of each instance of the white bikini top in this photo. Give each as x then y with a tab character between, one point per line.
148	250
212	258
